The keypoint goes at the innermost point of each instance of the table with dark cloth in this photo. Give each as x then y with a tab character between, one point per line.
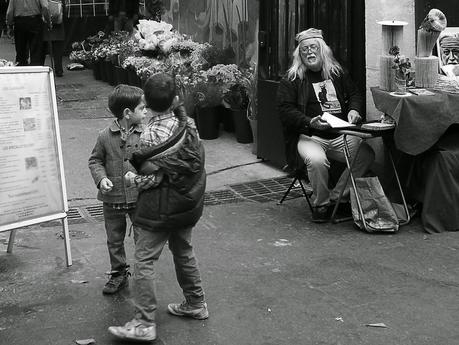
427	132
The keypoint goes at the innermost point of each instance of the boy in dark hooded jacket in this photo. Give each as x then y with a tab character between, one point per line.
172	158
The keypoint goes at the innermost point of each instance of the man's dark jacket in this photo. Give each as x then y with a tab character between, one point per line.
292	96
179	199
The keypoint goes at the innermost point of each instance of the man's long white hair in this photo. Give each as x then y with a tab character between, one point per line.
330	67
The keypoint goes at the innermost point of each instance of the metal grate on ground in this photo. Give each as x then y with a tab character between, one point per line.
269	189
258	191
219	197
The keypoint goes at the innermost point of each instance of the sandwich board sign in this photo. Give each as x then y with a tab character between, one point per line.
32	182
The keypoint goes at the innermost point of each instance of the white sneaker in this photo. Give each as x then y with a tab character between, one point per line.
134	330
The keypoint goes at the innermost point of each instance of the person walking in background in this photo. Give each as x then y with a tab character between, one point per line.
167	212
53	44
3	27
108	163
123	14
25	21
316	83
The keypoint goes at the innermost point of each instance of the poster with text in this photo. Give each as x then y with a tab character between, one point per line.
30	170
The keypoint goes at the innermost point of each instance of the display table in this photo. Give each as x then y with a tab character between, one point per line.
424	123
421	120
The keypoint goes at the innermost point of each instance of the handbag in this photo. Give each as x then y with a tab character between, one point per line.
378	212
56	11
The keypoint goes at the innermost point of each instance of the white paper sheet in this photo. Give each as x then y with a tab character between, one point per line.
335	122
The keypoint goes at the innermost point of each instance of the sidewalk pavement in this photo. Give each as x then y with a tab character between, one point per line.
270	275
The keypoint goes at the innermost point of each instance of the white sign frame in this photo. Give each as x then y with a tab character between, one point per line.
60	213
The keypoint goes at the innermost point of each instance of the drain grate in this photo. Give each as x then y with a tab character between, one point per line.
95	211
73	213
219	197
74	216
258	191
269	189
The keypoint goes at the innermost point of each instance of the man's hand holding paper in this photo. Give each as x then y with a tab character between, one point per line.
335	122
353	116
319	123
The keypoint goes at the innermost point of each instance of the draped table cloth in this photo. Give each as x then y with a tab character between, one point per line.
428	129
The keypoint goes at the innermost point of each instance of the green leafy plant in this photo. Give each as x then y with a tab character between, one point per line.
216	56
239	88
401	63
205	90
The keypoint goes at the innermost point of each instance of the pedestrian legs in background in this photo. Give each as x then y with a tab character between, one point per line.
3	26
28	40
55	49
123	23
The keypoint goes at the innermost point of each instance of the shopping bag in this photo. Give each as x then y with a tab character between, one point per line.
378	211
56	11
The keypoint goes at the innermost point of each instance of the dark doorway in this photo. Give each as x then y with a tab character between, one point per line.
342	22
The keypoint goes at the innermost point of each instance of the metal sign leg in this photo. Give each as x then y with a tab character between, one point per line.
9	249
68	252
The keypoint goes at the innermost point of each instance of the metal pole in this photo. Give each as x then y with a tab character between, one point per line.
68	253
9	249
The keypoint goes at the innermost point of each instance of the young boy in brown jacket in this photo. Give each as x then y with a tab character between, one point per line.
108	163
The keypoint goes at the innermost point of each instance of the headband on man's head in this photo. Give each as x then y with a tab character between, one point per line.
449	42
309	33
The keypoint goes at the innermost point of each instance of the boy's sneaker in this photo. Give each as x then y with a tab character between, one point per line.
134	330
198	312
321	214
116	282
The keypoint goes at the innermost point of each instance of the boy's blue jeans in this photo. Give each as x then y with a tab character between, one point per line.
148	248
115	227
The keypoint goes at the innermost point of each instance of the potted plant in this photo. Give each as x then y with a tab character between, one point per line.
402	66
80	55
207	95
237	97
135	65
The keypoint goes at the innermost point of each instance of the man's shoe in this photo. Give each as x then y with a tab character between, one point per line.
199	312
321	214
134	330
116	282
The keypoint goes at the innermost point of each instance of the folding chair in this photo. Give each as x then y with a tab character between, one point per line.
297	175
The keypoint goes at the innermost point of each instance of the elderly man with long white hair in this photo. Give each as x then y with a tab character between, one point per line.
316	83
